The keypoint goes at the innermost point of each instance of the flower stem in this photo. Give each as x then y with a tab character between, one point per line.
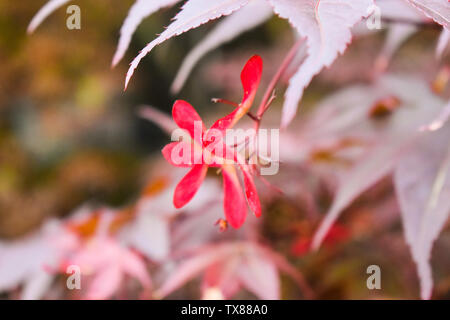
224	101
269	94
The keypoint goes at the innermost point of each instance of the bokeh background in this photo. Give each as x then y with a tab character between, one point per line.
69	134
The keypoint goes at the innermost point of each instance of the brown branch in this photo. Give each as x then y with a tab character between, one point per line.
412	22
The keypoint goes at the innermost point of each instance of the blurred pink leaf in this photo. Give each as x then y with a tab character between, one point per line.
439	122
105	283
37	284
229	266
134	266
220	279
250	16
44	12
400	10
150	231
159	118
22	260
422	183
393	10
443	42
374	166
191	267
226	265
418	106
259	274
193	14
138	12
438	10
106	261
326	27
197	226
32	260
398	33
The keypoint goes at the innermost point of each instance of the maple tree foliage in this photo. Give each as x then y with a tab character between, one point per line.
325	25
394	127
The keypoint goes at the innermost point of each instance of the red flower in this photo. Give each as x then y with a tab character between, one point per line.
203	148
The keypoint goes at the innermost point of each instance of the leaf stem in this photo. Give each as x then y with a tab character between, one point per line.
224	101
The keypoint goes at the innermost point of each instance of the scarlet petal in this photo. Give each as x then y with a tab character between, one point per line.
216	152
187	118
173	153
250	78
188	186
226	122
234	201
251	193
